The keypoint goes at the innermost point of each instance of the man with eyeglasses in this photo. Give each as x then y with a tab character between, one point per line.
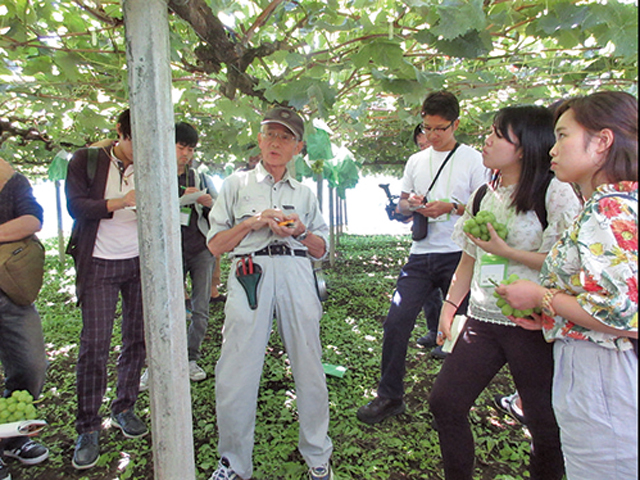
272	227
434	258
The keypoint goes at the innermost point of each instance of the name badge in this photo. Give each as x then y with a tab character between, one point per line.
185	216
492	267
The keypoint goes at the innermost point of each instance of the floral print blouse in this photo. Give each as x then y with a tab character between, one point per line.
596	260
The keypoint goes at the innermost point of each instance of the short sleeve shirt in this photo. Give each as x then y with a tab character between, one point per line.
245	194
596	260
463	173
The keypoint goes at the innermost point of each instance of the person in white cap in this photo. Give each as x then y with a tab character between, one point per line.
272	227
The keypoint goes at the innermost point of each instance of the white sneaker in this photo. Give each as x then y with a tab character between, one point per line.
144	380
224	471
195	372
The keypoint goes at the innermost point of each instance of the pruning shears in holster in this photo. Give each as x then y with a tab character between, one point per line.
249	274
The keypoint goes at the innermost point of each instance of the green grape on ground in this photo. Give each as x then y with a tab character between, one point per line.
477	226
19	406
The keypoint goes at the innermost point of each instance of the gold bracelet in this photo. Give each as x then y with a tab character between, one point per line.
547	300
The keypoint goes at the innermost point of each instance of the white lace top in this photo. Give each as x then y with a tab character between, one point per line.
524	233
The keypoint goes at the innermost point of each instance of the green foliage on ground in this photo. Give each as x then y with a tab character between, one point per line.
360	285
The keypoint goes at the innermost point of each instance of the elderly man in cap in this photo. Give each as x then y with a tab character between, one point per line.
272	227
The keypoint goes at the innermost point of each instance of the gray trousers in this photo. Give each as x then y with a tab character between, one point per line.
287	288
200	268
595	399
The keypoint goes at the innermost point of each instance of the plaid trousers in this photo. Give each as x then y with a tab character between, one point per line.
107	279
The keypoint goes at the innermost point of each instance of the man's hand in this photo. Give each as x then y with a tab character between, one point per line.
435	209
288	225
129	200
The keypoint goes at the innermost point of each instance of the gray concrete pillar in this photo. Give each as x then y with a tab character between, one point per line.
147	36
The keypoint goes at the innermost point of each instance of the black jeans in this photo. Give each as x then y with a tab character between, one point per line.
418	278
481	351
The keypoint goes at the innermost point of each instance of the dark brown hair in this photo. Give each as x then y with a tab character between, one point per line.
124	119
442	103
617	111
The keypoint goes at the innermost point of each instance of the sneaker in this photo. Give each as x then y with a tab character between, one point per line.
380	408
322	472
429	340
4	472
87	451
27	451
509	405
130	424
144	381
438	353
224	471
195	372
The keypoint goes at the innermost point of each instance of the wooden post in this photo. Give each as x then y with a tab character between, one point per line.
152	123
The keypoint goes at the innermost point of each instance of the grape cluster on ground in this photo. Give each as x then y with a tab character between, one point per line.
19	406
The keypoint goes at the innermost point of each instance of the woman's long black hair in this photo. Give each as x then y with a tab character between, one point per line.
530	128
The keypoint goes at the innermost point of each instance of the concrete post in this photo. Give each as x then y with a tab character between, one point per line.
147	36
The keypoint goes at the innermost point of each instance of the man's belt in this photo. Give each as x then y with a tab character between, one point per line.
280	249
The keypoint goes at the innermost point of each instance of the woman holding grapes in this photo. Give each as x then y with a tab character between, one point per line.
535	208
589	291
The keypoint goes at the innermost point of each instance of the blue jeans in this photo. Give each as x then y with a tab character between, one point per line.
21	349
421	275
200	268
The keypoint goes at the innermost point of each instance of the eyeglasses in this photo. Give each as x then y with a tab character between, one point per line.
427	130
285	137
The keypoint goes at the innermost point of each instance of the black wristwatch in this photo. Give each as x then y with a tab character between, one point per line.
454	210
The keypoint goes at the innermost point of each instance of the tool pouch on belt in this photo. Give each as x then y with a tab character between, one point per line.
249	274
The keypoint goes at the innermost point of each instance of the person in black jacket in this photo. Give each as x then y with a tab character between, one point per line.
104	244
21	342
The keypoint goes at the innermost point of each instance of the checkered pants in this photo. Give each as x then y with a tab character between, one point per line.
105	280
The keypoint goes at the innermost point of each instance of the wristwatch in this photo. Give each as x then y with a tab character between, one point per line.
547	299
303	235
454	210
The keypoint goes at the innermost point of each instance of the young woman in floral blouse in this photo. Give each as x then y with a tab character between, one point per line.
589	291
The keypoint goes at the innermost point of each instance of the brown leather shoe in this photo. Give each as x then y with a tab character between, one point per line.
380	408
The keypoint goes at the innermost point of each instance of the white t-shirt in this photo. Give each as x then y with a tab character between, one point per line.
117	237
462	175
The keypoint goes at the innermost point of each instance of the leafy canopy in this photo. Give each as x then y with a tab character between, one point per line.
362	66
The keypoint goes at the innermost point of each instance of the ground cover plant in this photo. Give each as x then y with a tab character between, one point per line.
360	286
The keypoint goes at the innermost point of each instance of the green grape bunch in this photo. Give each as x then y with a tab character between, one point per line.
477	226
19	406
506	309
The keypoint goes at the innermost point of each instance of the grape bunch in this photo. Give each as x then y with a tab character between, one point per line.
506	309
19	406
477	226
